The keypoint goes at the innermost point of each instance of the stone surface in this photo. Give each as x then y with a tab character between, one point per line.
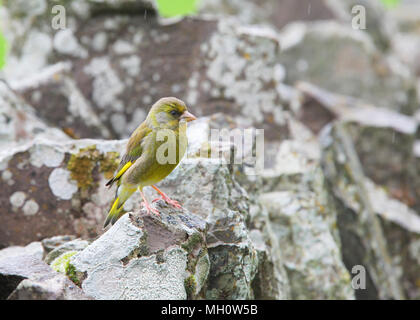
311	256
18	263
58	100
380	24
303	221
293	230
126	261
407	47
121	64
23	275
209	190
74	245
50	244
351	66
55	188
277	13
392	135
393	162
19	122
376	231
407	15
270	281
57	287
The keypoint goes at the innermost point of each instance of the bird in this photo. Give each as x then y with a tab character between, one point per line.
153	151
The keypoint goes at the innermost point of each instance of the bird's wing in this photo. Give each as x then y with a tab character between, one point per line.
133	152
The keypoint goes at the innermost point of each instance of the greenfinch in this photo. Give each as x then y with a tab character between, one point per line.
154	149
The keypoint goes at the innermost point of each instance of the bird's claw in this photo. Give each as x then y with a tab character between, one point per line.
168	200
150	209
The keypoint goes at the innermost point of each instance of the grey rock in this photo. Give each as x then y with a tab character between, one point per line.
12	272
18	263
125	262
353	172
55	188
277	13
268	278
270	281
303	221
57	287
23	261
106	71
401	225
377	231
406	46
207	188
311	256
72	112
34	249
74	245
293	231
380	25
50	244
35	46
370	77
392	135
407	16
23	275
19	122
320	107
393	163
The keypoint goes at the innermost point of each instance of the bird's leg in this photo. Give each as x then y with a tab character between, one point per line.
147	205
166	198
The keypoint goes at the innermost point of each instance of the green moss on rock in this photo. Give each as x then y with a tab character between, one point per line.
62	262
190	286
74	275
192	242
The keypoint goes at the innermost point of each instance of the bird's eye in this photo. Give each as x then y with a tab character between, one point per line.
174	113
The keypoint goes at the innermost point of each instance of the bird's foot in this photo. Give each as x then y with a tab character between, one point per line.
168	200
149	208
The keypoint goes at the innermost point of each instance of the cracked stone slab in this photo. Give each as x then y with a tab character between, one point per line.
370	76
377	230
125	262
52	188
24	276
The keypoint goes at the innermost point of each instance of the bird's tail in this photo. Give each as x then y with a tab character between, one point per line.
122	194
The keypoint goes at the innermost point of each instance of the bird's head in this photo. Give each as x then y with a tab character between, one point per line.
168	112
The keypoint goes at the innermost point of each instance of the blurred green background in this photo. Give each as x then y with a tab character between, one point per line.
2	50
390	3
170	8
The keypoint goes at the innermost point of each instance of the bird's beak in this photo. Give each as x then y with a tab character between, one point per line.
188	116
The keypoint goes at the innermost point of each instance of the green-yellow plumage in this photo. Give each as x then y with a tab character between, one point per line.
153	151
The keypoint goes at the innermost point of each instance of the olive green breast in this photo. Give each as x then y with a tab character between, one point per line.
162	152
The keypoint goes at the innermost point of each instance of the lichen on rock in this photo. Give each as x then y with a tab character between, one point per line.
82	164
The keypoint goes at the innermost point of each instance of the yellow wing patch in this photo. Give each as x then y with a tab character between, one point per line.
119	174
124	169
